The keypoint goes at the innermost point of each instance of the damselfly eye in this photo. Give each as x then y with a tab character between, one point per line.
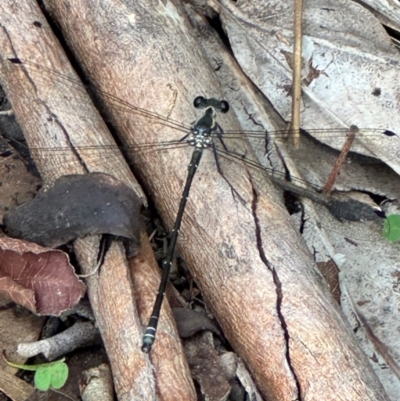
224	108
200	102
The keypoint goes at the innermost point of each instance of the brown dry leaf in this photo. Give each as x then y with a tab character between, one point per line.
18	185
330	271
189	322
207	367
40	279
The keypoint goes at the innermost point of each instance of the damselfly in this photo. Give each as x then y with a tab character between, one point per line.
207	124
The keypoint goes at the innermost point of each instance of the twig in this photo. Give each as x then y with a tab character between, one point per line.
296	85
341	158
7	112
63	394
78	335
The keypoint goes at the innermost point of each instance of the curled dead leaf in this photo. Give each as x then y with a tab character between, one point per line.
40	279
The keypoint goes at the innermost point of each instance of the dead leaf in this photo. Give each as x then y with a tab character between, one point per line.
206	367
189	322
342	40
330	271
76	206
41	279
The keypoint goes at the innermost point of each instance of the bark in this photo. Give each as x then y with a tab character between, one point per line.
251	264
55	115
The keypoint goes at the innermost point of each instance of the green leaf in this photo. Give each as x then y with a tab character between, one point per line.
52	375
43	378
391	228
60	375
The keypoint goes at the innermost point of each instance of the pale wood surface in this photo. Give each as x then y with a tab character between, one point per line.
14	387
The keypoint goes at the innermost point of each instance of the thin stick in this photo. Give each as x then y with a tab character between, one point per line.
7	112
296	84
341	158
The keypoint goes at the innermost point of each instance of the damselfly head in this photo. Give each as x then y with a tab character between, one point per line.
220	105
